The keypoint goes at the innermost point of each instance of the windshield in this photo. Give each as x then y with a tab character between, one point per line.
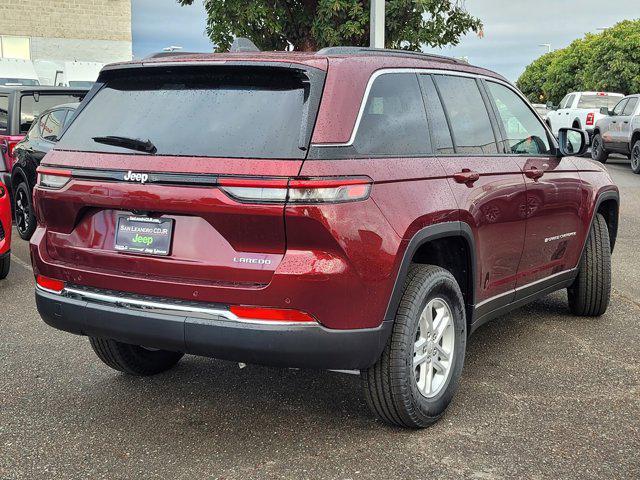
19	81
598	101
229	112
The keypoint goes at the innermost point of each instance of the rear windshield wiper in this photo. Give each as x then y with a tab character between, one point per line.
126	142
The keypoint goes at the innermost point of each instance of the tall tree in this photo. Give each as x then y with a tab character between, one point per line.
609	61
313	24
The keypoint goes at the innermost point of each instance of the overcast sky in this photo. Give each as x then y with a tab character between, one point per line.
513	29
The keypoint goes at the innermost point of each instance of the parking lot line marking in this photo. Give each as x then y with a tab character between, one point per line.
21	262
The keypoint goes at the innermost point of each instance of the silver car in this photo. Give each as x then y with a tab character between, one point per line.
619	132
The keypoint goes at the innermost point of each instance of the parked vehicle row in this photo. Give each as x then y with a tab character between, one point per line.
19	107
619	132
20	72
581	110
262	209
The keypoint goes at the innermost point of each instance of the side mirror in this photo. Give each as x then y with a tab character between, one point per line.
551	106
605	111
572	141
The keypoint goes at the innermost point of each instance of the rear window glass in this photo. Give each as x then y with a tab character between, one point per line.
472	131
229	112
597	101
394	121
31	106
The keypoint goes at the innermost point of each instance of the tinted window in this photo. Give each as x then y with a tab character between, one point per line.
470	124
620	107
597	101
563	101
440	133
524	132
569	101
30	108
53	125
394	120
18	81
42	122
4	114
227	112
631	106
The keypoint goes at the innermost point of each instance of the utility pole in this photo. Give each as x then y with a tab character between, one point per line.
376	26
547	46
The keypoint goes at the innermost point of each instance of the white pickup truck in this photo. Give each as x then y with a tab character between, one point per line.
581	110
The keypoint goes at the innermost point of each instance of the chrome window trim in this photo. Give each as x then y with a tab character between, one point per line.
434	71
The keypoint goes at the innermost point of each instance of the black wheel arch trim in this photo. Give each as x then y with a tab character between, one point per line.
427	234
602	197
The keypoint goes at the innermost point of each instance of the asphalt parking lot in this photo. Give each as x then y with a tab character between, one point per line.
543	395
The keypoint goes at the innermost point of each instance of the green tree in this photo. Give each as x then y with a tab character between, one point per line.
614	64
608	61
313	24
566	73
532	80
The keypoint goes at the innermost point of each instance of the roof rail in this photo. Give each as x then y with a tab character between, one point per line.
352	50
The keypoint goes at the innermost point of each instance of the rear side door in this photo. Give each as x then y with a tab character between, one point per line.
488	187
610	135
553	227
623	133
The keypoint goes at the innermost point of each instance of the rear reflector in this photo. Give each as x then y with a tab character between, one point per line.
308	190
50	283
55	178
270	314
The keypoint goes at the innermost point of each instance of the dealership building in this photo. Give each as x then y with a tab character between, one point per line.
66	30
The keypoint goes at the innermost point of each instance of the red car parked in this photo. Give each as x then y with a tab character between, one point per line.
5	231
351	209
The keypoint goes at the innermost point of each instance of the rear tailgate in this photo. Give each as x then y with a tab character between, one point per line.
216	240
206	125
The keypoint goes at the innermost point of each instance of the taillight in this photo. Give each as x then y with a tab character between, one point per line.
590	118
50	284
270	314
55	178
297	190
8	146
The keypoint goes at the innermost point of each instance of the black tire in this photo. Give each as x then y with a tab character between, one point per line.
5	266
598	152
25	219
590	293
635	157
133	359
390	386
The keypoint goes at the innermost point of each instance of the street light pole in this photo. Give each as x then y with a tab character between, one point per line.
547	46
376	27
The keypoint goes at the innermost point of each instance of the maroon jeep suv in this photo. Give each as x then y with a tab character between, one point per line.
352	209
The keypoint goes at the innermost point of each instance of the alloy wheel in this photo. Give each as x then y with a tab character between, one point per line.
433	347
635	158
22	211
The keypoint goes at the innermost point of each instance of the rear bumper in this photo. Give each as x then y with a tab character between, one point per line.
208	332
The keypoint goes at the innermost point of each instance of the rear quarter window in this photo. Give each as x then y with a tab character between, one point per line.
394	121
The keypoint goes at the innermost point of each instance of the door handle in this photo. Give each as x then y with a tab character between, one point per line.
614	121
466	176
534	173
626	121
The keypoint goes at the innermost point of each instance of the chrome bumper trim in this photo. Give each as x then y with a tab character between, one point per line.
168	308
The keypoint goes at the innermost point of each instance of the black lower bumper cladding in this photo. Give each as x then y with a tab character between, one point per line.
302	346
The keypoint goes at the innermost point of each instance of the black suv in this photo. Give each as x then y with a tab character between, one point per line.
19	107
